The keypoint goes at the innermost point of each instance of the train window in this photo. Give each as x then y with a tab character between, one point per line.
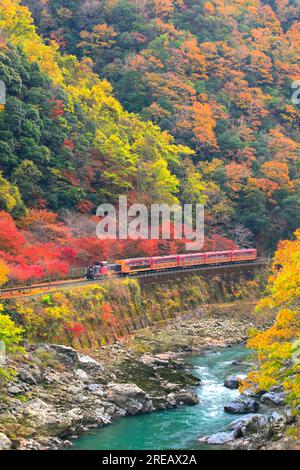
114	267
165	260
142	264
218	255
138	262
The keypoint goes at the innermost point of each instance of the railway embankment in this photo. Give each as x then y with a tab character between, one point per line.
88	317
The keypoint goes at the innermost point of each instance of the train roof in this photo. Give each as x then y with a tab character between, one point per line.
142	258
201	253
165	257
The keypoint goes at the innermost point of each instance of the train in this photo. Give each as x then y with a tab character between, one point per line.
131	266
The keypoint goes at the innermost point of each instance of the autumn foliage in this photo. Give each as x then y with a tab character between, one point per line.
193	105
278	348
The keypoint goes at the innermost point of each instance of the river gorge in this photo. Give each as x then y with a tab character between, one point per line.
179	428
160	388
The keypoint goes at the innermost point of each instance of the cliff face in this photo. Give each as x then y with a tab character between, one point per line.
90	316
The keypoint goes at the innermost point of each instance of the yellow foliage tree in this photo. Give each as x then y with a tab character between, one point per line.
10	197
3	273
278	347
16	23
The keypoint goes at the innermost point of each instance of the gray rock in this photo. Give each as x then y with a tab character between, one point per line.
52	377
14	390
164	402
27	377
170	401
277	389
234	381
186	397
67	354
93	387
80	374
41	414
277	416
5	443
87	362
54	443
95	416
147	359
240	405
171	386
237	362
218	438
253	393
162	359
129	397
289	417
67	443
253	424
273	398
28	444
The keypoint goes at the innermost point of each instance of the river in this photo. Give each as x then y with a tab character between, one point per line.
177	428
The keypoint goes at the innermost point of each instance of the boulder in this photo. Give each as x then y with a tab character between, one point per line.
277	389
273	398
14	390
218	438
288	416
94	388
158	359
147	359
67	443
253	393
171	386
38	410
27	377
51	377
41	414
164	402
129	397
165	356
5	443
185	397
242	406
87	362
237	362
253	424
234	381
80	374
95	417
278	417
67	354
28	444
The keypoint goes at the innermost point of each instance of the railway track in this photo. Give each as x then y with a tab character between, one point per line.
52	286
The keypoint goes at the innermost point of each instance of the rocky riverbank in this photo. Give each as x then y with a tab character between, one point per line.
265	424
58	393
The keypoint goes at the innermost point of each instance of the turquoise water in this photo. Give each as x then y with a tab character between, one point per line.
179	428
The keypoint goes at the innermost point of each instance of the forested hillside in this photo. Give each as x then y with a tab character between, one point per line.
217	75
66	145
163	101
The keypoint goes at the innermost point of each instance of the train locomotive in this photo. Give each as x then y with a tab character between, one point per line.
170	262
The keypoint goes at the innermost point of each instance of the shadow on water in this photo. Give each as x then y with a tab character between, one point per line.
178	428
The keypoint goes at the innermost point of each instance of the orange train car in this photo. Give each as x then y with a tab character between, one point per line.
185	260
159	263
